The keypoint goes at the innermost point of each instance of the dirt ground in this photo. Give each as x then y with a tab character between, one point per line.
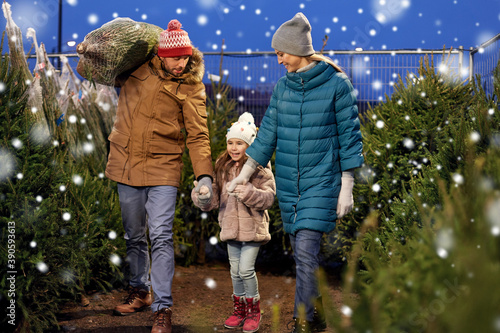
201	303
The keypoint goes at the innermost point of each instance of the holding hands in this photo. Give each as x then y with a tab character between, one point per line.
203	188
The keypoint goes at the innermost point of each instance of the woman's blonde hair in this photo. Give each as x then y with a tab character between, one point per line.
320	57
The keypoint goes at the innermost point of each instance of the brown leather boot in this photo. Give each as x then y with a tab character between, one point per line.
162	321
137	300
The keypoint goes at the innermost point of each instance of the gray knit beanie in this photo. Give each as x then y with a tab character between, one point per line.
294	37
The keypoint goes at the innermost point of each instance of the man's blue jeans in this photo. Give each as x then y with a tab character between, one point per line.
242	256
306	245
150	207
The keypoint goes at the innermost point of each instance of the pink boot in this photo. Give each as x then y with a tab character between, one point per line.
252	321
239	313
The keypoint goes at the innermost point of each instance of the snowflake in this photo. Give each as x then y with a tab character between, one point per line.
115	259
458	178
346	311
210	283
42	267
475	137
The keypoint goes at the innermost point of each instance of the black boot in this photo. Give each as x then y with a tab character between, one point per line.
319	323
300	326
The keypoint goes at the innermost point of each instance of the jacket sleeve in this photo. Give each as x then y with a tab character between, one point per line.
260	192
348	126
197	140
263	147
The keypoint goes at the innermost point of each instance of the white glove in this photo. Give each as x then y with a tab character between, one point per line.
204	189
345	200
246	172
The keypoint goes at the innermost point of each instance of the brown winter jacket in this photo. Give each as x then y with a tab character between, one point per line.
147	140
244	218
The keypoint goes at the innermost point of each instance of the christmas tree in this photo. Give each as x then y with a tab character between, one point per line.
400	136
430	260
60	218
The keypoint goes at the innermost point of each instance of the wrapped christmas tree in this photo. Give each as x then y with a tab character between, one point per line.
116	47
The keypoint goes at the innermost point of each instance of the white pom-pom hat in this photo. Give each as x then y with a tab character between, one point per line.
244	129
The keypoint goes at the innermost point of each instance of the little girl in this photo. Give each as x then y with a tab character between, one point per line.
243	219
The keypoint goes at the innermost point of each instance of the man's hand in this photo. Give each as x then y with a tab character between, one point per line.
204	190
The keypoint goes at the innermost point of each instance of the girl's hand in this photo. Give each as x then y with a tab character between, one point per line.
203	189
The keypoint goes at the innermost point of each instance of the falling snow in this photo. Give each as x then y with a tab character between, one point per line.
408	143
346	311
115	259
210	283
42	267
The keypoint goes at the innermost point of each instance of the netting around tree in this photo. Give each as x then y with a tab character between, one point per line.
116	47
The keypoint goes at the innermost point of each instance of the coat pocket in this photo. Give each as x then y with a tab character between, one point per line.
119	138
164	147
118	153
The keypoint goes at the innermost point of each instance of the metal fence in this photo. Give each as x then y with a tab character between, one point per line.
373	73
485	59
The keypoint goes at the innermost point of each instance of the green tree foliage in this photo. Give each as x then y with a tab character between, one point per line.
432	263
56	208
400	136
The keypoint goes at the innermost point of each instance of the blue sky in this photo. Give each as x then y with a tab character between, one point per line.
249	25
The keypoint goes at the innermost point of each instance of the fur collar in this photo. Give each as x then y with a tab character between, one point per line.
195	68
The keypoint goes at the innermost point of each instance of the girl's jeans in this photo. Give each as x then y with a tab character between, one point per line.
158	204
306	246
242	256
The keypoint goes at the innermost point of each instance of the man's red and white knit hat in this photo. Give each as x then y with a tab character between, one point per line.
174	42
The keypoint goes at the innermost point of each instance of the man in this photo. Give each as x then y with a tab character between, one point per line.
157	102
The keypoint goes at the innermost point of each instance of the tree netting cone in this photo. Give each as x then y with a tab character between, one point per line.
115	47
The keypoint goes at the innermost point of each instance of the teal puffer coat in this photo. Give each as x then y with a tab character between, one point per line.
312	123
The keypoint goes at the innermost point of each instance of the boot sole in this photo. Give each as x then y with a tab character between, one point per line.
227	326
319	327
118	313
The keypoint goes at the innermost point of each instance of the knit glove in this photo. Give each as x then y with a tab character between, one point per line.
204	190
242	191
246	172
345	200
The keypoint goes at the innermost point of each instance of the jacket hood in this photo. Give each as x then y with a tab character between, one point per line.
195	68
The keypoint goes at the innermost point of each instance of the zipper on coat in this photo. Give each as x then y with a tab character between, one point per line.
178	86
298	152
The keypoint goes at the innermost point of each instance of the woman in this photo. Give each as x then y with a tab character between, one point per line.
312	123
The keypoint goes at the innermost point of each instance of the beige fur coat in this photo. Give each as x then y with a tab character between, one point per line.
243	217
